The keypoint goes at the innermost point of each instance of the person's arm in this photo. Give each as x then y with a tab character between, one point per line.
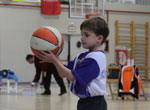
51	58
37	76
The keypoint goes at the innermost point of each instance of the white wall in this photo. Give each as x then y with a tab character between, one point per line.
16	27
18	23
74	49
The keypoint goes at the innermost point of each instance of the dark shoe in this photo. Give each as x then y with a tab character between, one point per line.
46	93
62	93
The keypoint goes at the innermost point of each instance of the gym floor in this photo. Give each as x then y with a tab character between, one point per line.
29	101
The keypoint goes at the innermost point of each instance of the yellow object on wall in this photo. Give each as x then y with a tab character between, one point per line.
33	1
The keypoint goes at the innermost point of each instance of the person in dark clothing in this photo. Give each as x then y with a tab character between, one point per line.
46	69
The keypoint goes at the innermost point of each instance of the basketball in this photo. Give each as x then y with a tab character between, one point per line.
47	38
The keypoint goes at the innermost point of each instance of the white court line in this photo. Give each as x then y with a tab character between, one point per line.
3	109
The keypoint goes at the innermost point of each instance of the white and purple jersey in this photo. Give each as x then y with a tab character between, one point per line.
90	74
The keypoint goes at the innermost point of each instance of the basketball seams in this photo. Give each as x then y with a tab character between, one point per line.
49	35
53	34
44	39
37	40
41	41
56	33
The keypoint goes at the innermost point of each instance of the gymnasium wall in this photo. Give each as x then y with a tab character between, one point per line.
126	14
18	23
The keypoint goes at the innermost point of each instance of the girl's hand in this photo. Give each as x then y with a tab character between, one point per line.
51	58
46	56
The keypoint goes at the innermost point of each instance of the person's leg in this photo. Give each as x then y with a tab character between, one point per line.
59	80
46	82
61	84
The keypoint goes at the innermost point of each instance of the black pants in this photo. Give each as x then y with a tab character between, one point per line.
92	103
47	80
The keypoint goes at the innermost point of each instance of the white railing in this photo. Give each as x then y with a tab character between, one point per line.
132	2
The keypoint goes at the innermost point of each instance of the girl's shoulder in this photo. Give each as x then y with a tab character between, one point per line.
96	54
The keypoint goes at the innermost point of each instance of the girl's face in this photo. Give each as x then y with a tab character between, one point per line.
90	40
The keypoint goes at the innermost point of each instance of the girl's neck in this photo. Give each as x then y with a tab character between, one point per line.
95	49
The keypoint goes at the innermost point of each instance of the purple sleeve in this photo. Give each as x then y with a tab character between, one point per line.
86	71
70	65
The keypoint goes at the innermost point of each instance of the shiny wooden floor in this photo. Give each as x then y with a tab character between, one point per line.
24	101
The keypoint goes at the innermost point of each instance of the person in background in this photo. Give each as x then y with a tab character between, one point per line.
46	69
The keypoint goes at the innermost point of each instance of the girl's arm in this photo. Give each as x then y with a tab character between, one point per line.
51	58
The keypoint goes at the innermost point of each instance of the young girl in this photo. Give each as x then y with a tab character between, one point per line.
88	70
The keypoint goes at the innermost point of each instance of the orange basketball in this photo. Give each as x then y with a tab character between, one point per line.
47	38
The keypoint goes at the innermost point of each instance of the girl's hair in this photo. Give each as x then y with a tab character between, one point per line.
96	25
